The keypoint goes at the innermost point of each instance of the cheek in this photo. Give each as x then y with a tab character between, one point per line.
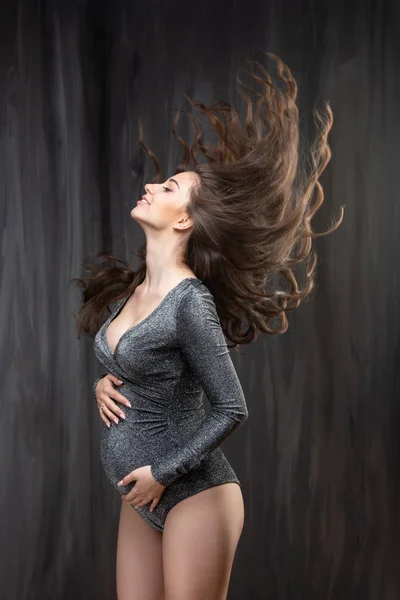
168	208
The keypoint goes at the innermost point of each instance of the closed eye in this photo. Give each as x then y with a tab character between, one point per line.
166	189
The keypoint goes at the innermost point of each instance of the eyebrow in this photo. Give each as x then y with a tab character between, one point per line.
174	180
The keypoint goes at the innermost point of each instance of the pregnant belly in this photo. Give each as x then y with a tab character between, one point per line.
125	447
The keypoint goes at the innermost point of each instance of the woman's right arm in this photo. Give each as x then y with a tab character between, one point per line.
106	395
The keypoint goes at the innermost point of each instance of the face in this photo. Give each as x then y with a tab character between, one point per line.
163	206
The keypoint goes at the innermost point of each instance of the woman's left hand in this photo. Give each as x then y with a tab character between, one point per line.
145	489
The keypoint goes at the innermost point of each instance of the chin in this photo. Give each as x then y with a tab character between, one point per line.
136	216
134	210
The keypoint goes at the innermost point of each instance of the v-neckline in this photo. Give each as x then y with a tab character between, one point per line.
124	301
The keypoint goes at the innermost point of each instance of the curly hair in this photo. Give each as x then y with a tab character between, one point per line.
251	209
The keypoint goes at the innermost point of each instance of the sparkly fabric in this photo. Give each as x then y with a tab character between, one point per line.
166	361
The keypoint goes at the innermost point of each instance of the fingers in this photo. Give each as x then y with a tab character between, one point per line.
133	496
114	394
120	398
114	379
107	414
142	503
111	409
104	418
136	503
136	499
132	476
154	504
105	394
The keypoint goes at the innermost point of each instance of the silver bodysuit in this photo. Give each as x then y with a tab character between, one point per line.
166	361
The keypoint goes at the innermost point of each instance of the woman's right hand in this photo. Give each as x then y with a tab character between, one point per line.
106	396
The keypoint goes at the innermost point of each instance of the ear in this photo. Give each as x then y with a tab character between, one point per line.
184	223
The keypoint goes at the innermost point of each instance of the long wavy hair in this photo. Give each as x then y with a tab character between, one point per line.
251	208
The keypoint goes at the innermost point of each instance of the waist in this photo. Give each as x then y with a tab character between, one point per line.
149	419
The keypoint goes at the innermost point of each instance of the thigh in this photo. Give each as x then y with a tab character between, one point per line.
199	543
139	558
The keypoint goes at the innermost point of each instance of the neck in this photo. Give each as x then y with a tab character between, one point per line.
164	262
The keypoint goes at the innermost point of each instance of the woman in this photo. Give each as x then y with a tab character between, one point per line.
217	235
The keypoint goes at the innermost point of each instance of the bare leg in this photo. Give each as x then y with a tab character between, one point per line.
199	543
139	558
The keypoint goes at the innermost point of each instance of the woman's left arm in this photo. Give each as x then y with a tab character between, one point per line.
203	345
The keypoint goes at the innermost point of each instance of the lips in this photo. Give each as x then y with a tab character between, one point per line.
144	199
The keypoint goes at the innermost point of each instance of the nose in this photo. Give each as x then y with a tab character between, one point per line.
152	188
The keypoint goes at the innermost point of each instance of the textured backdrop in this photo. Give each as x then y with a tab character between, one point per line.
319	455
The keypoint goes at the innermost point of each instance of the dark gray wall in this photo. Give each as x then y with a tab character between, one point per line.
319	455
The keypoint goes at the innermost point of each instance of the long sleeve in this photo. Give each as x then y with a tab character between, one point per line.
202	343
